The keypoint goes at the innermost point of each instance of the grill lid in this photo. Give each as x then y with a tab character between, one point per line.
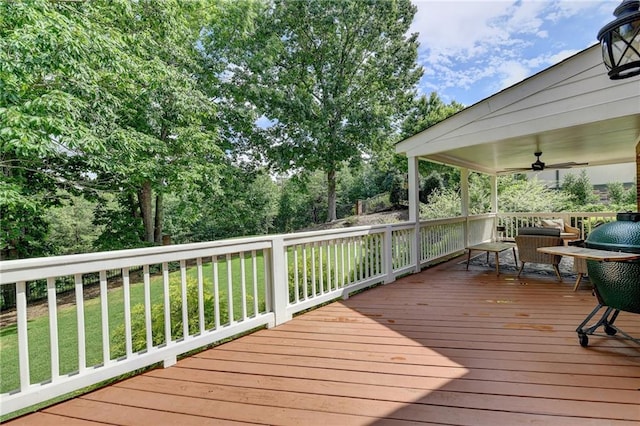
622	235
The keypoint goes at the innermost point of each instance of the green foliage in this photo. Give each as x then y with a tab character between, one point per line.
518	194
71	227
616	192
479	193
303	199
579	190
23	231
166	136
53	63
121	229
103	95
304	270
138	328
247	206
621	199
445	202
441	204
358	183
302	202
515	194
426	112
398	193
428	185
631	197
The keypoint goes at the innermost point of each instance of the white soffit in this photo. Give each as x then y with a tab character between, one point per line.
571	111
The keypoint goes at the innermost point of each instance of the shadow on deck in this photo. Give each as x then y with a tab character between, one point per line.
446	346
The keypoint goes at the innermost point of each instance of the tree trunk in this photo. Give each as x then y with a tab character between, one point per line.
331	185
146	210
157	232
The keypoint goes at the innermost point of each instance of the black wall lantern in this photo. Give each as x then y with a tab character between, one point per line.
620	40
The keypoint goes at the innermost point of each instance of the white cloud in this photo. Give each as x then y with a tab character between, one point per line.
484	46
524	17
457	28
564	9
512	72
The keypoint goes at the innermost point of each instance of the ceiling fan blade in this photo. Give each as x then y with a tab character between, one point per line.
567	165
515	169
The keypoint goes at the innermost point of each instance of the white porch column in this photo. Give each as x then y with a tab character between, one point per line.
464	201
494	193
414	210
493	181
414	190
464	191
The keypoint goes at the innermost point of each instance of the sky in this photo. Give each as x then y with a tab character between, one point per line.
475	48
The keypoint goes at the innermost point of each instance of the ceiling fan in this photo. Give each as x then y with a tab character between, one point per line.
539	165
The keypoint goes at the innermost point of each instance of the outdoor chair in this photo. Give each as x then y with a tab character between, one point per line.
567	232
529	240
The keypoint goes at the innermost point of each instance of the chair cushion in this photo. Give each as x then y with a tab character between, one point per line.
553	223
553	232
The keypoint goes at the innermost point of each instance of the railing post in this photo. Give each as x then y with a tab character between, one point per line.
23	339
415	247
170	360
388	254
279	282
494	206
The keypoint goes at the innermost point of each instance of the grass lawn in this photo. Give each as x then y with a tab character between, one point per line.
38	328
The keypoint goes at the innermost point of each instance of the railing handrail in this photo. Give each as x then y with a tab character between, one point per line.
558	214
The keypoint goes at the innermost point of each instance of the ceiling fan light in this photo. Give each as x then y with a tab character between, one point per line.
620	41
537	166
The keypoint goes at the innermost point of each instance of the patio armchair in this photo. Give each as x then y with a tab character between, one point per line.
567	232
529	240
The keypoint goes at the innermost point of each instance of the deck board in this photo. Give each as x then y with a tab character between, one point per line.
446	346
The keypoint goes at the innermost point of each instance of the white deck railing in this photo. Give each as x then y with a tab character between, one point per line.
174	299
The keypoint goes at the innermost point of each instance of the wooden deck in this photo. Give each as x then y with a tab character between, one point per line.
446	346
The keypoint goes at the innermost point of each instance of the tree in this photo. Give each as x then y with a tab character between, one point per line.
70	226
616	192
247	206
54	67
107	96
166	138
433	182
426	112
441	204
302	202
579	189
332	77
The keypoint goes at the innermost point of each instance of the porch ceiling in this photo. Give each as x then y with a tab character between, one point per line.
599	143
570	112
